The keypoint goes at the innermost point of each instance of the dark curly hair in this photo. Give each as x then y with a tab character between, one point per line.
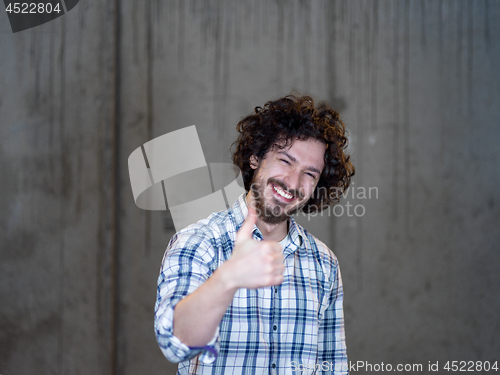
290	118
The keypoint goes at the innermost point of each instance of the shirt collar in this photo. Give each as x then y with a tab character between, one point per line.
240	212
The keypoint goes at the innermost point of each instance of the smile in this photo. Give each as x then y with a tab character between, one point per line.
281	192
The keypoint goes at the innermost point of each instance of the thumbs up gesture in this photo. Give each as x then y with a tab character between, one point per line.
254	264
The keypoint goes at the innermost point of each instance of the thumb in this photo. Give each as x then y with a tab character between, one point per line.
245	232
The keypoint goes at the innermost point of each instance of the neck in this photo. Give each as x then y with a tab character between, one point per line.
270	232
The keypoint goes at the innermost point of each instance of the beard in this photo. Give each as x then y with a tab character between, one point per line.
268	213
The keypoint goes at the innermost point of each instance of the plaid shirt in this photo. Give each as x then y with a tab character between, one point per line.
293	328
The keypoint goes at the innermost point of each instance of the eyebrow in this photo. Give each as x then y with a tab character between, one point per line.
312	169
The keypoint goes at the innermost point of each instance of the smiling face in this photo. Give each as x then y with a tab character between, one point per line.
285	179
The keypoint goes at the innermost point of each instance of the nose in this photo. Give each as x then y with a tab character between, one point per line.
293	180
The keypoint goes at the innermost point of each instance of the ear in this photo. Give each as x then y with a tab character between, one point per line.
254	162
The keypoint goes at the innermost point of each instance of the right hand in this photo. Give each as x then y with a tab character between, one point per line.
254	264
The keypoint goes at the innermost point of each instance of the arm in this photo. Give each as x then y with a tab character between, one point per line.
331	337
198	315
191	304
187	264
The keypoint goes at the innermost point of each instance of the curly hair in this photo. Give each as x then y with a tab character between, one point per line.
290	118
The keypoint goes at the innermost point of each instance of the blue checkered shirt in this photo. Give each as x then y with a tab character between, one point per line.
293	328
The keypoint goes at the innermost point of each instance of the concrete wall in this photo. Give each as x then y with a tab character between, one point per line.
417	83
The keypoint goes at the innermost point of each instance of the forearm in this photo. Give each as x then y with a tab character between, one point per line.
197	316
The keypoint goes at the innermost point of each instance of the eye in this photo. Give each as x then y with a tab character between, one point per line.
285	161
311	175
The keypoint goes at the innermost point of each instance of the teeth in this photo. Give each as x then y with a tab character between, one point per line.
281	192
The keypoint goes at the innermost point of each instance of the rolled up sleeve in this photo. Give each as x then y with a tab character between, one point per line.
188	262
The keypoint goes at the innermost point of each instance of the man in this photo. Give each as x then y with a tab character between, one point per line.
248	290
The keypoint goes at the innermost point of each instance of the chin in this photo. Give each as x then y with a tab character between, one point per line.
278	213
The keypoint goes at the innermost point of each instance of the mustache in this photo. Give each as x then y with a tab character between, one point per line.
281	184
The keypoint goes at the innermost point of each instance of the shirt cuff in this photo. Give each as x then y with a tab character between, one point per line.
209	351
174	349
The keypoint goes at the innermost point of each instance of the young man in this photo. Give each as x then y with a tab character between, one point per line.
248	290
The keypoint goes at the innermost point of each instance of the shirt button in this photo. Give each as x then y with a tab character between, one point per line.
275	327
275	290
274	365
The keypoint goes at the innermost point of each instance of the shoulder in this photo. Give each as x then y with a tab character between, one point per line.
218	224
205	236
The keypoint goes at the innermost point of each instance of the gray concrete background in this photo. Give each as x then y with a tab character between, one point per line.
417	83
